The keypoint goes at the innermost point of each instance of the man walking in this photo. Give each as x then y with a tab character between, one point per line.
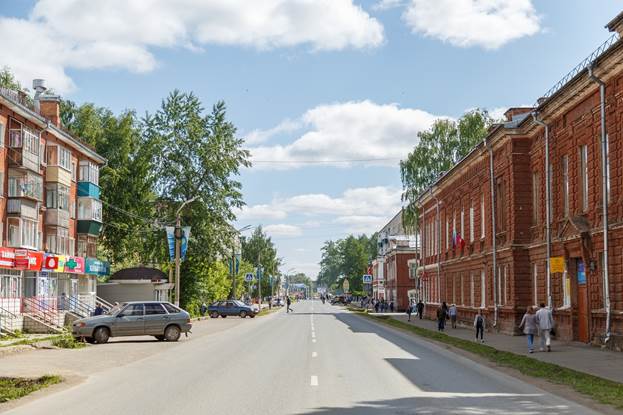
479	324
288	303
409	310
420	309
442	315
545	323
452	313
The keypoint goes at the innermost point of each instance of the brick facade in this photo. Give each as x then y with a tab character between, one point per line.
460	202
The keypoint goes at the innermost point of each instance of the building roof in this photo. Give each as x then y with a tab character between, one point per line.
139	273
12	100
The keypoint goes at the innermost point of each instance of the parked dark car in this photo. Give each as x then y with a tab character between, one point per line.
231	308
160	319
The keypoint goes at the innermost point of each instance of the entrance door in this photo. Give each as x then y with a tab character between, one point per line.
582	303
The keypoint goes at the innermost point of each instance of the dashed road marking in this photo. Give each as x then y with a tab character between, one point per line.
313	340
314	354
313	334
314	380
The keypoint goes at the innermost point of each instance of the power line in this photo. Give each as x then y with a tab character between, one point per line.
324	161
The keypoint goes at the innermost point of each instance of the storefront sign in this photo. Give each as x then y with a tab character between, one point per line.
557	264
35	260
96	267
7	258
74	264
54	263
21	258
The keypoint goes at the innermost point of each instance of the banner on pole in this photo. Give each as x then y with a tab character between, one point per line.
171	241
184	242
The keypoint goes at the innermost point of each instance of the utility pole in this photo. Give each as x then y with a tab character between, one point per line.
259	278
178	249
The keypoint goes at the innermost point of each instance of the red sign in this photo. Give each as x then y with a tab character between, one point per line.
35	260
21	258
7	258
74	264
50	262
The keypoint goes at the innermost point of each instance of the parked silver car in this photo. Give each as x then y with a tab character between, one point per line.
137	318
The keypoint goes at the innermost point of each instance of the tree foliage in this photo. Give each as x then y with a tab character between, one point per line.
438	149
347	258
260	250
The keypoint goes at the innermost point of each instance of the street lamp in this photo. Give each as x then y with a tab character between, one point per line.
233	260
178	240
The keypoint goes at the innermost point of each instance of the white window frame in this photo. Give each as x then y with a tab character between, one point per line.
483	289
482	216
583	173
565	185
471	222
535	283
472	290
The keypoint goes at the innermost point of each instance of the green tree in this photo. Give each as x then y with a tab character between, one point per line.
196	155
438	149
347	258
8	80
260	250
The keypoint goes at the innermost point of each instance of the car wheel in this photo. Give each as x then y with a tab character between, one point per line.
214	315
243	314
159	338
172	333
223	315
252	315
101	335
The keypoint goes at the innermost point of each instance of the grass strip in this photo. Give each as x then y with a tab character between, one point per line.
266	311
602	390
32	341
15	388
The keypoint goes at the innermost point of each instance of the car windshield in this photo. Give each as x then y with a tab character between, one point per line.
239	303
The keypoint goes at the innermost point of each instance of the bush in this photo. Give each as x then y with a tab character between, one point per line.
67	341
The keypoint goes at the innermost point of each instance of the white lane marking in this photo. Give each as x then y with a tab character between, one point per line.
314	354
313	340
313	334
314	380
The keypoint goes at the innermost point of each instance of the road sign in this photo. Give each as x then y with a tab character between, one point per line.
249	276
367	279
557	264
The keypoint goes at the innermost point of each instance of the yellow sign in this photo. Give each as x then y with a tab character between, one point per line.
557	264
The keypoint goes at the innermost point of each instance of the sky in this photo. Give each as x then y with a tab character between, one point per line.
329	94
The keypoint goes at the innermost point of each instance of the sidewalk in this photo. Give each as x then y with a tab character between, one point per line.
583	358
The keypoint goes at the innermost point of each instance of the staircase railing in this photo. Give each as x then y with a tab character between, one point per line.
74	305
6	316
43	309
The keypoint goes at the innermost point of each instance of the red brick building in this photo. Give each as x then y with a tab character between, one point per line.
502	185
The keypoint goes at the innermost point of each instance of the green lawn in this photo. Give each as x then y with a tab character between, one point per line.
15	388
602	390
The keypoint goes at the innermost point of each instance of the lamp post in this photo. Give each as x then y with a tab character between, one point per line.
233	260
178	240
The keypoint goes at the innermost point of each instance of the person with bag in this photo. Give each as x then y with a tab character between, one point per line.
442	315
529	326
545	324
453	314
409	311
479	324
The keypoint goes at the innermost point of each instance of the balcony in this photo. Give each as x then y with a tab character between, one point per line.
27	185
58	174
89	216
88	189
57	217
18	158
22	207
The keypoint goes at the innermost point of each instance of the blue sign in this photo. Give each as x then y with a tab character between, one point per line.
581	273
171	241
96	267
184	242
367	279
249	277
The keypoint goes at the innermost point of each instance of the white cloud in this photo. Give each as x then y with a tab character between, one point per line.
96	34
465	23
260	136
282	230
363	223
347	131
498	113
260	212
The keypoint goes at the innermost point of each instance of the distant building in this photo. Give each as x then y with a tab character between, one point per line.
392	277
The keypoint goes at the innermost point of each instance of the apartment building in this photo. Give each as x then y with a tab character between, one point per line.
50	211
497	235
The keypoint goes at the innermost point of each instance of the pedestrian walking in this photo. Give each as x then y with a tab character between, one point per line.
545	323
377	304
409	310
452	312
288	303
420	309
442	315
479	323
391	306
529	326
203	309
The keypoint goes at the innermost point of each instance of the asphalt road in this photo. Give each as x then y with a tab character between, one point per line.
317	360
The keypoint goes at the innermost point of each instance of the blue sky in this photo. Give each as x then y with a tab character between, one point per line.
308	81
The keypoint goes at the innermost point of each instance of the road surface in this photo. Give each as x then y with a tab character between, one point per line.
318	360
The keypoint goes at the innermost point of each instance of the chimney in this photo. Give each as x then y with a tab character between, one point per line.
49	106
